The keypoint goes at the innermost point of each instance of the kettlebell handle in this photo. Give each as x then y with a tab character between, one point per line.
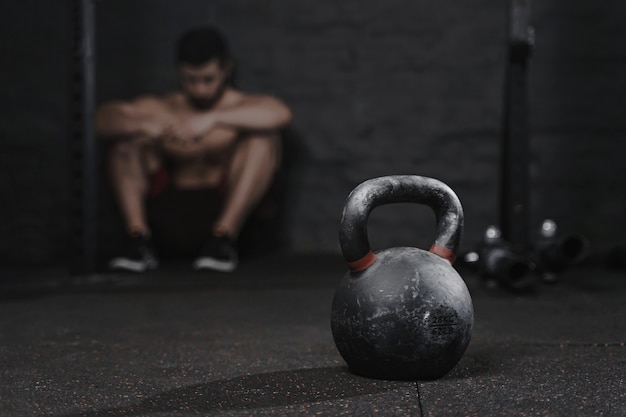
376	192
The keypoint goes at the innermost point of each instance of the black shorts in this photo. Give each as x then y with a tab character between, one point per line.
182	219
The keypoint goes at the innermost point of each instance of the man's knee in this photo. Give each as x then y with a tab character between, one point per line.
124	150
134	153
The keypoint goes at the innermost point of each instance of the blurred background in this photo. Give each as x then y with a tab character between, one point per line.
377	88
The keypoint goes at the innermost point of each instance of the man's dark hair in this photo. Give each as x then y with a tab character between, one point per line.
199	46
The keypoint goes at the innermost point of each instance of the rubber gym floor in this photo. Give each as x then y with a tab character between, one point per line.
257	342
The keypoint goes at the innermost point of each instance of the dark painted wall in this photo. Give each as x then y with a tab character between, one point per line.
578	106
378	88
33	132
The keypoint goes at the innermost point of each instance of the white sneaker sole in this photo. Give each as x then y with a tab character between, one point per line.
214	264
131	265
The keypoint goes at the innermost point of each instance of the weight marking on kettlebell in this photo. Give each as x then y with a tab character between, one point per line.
441	330
443	324
447	320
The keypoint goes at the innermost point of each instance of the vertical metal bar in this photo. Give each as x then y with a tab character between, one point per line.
515	157
84	155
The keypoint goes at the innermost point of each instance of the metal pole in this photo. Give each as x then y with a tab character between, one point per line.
514	188
83	149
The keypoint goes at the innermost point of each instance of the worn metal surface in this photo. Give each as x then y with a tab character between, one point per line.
375	192
408	316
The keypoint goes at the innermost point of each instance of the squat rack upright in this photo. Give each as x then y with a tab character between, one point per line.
83	153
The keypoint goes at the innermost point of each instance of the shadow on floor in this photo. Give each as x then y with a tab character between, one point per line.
273	389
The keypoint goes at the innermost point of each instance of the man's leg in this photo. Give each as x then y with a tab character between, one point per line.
129	165
250	175
248	178
130	184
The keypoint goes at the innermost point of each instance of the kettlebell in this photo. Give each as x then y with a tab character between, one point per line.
401	313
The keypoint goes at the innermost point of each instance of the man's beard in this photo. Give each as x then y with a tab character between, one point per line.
204	103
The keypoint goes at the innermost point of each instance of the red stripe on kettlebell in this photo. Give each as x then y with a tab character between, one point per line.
363	263
443	252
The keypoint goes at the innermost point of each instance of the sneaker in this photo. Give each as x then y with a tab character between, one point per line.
219	254
139	256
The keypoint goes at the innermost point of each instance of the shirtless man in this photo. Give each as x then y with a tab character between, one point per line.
209	135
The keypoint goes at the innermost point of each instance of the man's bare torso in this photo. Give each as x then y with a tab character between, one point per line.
202	161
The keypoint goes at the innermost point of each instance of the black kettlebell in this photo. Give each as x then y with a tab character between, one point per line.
401	313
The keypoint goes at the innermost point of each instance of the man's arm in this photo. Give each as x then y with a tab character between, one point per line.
126	119
254	113
243	114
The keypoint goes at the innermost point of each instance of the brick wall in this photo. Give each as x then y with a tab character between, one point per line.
33	140
578	107
377	88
